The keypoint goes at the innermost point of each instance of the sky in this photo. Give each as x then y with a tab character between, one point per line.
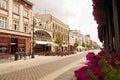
75	13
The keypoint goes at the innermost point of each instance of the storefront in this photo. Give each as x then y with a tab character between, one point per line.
9	44
42	46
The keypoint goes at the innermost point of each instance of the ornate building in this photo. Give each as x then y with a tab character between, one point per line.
15	22
46	32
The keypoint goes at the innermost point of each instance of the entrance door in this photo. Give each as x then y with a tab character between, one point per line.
13	49
14	45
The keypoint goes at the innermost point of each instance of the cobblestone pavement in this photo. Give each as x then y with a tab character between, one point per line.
68	75
39	71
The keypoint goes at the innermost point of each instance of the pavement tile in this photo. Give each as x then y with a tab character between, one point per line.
48	70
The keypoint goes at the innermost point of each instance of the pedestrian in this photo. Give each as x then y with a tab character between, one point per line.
16	55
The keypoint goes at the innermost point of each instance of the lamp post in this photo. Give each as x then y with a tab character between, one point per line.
68	41
33	42
32	54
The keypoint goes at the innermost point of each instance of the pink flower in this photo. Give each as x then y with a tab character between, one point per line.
113	64
96	71
116	56
99	66
101	78
80	73
107	51
93	63
90	56
101	53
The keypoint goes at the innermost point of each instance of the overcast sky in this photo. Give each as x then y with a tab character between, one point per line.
76	13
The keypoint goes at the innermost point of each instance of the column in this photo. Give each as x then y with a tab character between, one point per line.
110	33
106	37
116	25
30	20
21	19
10	8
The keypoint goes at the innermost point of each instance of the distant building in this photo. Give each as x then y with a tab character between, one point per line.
15	22
86	40
90	44
95	45
46	33
75	35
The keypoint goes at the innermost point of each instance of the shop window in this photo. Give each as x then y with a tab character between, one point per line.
14	40
3	49
22	49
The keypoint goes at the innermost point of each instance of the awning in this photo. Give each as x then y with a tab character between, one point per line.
42	42
80	47
54	44
64	45
46	43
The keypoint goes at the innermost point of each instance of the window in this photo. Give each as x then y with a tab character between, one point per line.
3	49
3	22
25	13
16	9
25	27
22	49
15	25
53	26
53	35
3	4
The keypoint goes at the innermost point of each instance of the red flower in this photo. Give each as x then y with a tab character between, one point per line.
90	56
80	73
101	53
96	71
116	56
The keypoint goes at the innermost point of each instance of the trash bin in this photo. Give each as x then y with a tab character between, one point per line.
16	56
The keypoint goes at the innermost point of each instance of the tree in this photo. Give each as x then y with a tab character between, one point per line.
89	46
76	43
59	40
83	44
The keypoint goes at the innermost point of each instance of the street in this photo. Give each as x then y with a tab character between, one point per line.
43	67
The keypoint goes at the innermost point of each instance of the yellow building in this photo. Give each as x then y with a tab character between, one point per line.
15	22
46	31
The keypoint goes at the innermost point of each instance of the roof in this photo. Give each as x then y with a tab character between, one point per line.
30	3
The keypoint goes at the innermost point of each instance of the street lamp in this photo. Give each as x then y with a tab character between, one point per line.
32	54
34	23
68	41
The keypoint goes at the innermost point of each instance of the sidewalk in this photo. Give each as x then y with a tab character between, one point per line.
22	64
67	73
37	66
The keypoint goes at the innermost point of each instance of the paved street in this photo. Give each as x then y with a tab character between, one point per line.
43	68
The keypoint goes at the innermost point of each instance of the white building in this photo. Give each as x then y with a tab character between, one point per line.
73	36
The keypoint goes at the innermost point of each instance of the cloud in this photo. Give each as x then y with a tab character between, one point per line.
75	13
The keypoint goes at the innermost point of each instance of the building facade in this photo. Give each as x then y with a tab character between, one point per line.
95	45
46	31
15	22
73	36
